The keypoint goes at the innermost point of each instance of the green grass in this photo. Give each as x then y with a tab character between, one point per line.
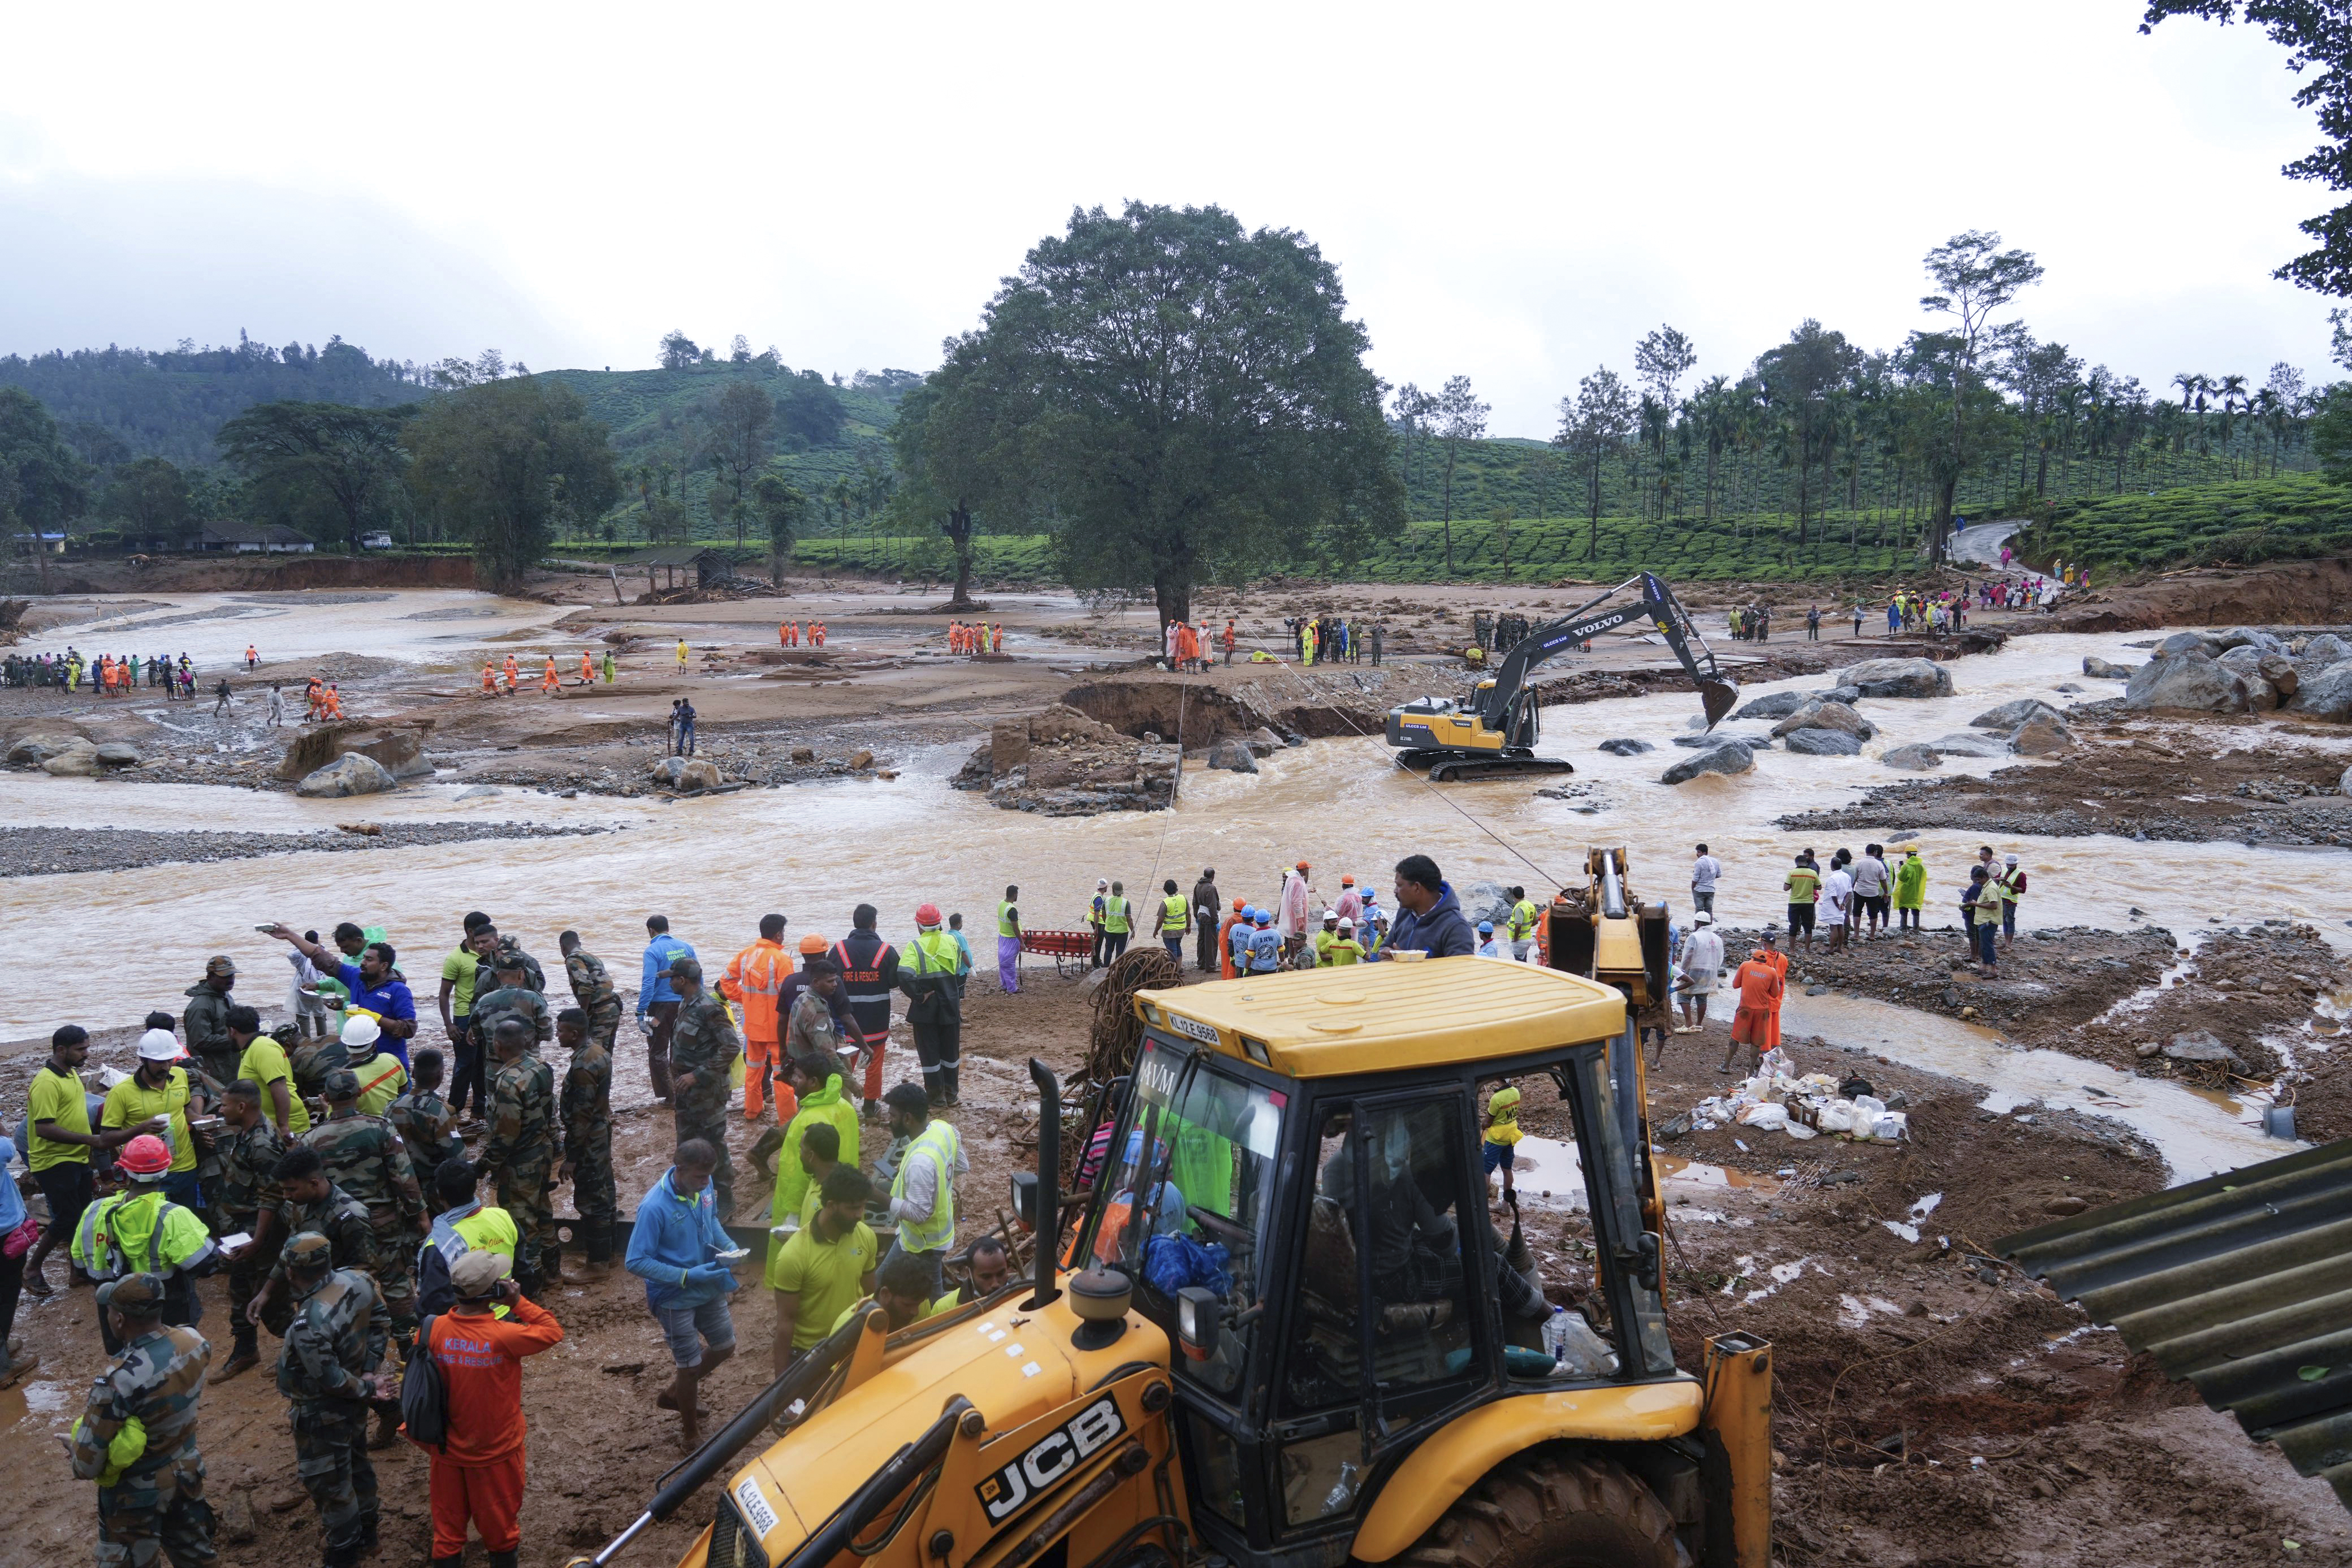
2296	517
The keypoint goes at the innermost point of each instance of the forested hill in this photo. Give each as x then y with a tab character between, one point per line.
114	404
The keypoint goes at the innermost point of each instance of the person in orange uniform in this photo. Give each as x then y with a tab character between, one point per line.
752	982
490	679
1770	954
330	702
587	669
477	1473
1760	986
820	633
1225	937
783	634
252	658
513	672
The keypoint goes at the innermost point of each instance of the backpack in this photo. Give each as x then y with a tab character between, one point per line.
423	1396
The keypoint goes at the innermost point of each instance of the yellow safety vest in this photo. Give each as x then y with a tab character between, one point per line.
937	1232
1004	926
1115	916
1178	918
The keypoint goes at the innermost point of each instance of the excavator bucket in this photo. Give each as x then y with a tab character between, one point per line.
1717	697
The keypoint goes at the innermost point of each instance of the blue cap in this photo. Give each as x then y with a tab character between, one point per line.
1485	928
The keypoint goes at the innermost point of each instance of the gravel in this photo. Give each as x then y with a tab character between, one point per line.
38	851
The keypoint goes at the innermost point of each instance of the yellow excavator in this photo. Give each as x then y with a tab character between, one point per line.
1606	934
1274	1325
1493	734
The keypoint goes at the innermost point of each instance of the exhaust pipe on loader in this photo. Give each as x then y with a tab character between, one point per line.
1045	1217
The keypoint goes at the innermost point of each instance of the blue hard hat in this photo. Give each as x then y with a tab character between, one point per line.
1485	928
1261	917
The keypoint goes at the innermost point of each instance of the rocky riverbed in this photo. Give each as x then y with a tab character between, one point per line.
37	852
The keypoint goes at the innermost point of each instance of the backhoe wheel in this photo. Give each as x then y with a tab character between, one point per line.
1547	1510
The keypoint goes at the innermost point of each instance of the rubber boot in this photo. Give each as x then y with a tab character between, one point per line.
505	1559
935	1085
954	1080
871	1111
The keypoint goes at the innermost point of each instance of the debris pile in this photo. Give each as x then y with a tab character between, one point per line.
1808	1107
1064	763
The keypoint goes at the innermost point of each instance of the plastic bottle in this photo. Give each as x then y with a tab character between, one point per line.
1555	1334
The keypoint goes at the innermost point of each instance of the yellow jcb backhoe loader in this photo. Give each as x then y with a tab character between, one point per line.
1279	1327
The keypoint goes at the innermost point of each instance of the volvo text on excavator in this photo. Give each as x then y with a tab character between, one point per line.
1493	733
1279	1323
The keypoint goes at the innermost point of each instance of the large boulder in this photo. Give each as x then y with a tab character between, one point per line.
2095	666
1008	745
699	774
1819	715
2328	695
2043	735
1846	695
1963	745
1822	743
666	770
1485	901
79	761
118	754
2189	642
2008	716
1731	757
2326	649
1778	705
1897	678
2201	1045
34	749
399	748
353	773
1233	755
1912	759
2188	682
1626	748
1755	739
2252	637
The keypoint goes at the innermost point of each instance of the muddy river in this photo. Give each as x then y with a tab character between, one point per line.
714	866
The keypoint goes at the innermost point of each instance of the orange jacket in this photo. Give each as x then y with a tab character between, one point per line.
754	980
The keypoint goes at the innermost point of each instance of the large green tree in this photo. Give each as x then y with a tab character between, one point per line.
1173	398
2317	35
1974	278
506	463
149	498
938	492
43	486
736	427
321	460
783	510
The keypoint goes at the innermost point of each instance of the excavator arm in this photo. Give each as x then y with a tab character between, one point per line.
1499	705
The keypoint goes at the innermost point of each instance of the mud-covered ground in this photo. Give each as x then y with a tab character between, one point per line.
34	852
2249	778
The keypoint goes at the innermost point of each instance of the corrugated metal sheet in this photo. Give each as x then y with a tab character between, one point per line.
2239	1285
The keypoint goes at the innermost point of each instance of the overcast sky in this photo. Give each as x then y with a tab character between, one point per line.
1514	192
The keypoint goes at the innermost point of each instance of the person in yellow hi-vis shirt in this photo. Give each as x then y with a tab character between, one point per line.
1499	1150
681	656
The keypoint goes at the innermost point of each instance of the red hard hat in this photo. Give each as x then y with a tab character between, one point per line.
145	1154
929	915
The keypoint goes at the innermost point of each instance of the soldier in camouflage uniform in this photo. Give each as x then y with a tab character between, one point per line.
137	1436
586	1113
309	1201
425	1121
310	1059
207	1019
703	1046
520	1154
511	998
592	987
363	1157
246	1200
486	979
334	1345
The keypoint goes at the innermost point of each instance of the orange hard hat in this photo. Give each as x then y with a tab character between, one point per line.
1302	866
812	943
145	1155
1347	881
1240	905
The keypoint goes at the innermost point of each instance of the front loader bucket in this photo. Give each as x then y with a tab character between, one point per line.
1718	698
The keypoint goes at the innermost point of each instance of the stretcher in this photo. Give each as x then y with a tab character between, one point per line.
1066	948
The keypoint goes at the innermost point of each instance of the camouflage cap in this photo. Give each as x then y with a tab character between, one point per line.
685	968
508	956
309	1249
220	964
288	1035
342	1083
136	1294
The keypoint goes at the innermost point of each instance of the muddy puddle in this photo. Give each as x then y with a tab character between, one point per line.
2199	1133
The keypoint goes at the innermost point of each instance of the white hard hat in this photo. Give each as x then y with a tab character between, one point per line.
1345	924
1702	918
361	1030
158	1045
1330	915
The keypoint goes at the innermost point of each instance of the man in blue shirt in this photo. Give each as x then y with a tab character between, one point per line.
1429	917
675	1249
375	988
1264	942
657	995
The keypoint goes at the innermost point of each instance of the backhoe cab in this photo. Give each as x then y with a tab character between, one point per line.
1281	1327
